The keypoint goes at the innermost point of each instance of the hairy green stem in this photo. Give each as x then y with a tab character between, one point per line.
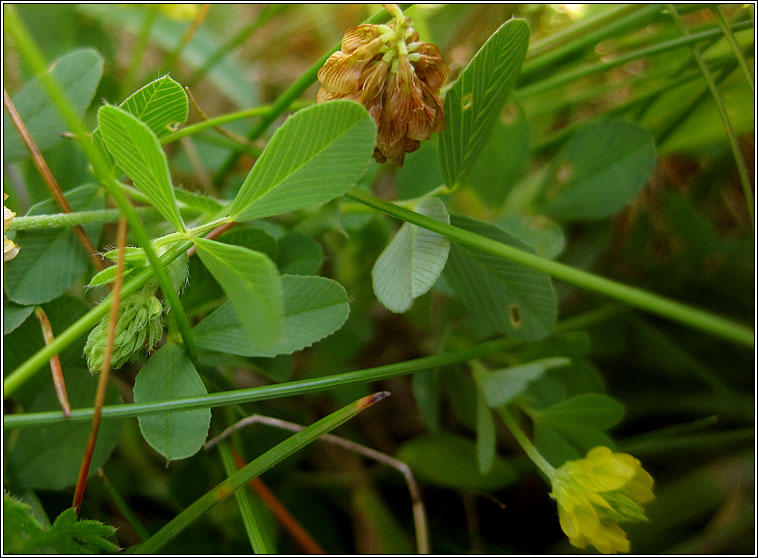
261	393
656	304
253	469
33	56
568	77
739	161
287	98
65	220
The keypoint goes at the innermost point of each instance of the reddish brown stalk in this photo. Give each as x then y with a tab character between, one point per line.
218	231
102	382
55	364
292	525
48	177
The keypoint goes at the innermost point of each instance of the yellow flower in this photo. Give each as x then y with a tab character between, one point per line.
10	248
597	492
180	12
396	77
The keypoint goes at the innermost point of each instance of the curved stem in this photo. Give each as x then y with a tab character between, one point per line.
526	443
693	317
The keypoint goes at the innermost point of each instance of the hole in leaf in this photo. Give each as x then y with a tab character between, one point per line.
564	173
514	313
509	114
467	100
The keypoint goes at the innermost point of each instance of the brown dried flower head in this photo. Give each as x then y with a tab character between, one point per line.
396	77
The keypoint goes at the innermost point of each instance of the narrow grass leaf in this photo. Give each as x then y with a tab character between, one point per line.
317	154
412	262
78	73
474	102
169	374
136	150
513	298
314	307
252	283
253	469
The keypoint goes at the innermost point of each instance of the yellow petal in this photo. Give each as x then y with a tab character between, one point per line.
357	36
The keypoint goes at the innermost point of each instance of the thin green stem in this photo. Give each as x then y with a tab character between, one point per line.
730	38
585	33
261	393
287	98
24	372
139	49
253	469
122	505
264	16
526	443
632	296
218	120
33	56
567	77
739	161
252	526
65	220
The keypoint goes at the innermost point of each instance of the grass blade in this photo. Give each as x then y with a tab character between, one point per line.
253	469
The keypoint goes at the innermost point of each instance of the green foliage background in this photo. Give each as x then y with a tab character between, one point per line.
607	155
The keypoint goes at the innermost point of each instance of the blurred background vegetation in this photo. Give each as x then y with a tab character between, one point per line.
688	235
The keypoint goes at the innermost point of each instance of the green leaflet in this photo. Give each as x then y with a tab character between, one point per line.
570	428
169	374
513	298
499	387
317	154
78	73
476	98
136	150
314	307
49	458
51	261
598	171
159	104
449	460
251	282
412	262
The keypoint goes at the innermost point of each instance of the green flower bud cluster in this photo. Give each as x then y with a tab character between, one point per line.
139	328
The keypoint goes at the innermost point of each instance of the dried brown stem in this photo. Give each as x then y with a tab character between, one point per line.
55	364
419	513
102	383
292	525
48	177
